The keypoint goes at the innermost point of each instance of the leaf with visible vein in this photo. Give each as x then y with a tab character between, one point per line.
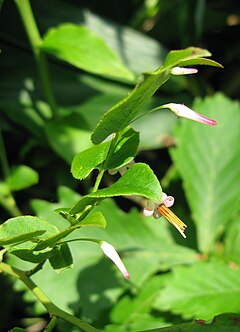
201	291
208	161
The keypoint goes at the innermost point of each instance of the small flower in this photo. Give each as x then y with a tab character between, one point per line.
186	112
122	170
157	210
111	253
183	71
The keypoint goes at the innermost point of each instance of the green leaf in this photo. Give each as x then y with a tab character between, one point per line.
84	162
133	313
232	240
94	219
220	323
18	238
138	180
201	291
129	108
68	136
62	258
21	228
200	61
207	159
22	177
144	244
125	149
17	329
84	49
175	57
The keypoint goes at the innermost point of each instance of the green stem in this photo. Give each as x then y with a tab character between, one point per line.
98	180
37	268
51	324
3	157
35	40
53	310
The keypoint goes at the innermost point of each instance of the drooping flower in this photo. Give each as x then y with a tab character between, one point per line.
111	253
186	112
183	71
157	210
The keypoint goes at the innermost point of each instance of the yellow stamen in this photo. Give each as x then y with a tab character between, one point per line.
173	219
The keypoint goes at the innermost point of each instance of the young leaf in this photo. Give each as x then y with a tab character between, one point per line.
62	258
128	109
125	149
207	159
22	177
84	162
174	58
201	291
84	49
138	180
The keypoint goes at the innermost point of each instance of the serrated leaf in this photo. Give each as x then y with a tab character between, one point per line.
62	258
130	108
20	227
22	177
220	323
124	151
138	180
208	160
84	49
201	291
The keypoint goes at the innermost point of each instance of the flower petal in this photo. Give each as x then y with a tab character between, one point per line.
111	253
183	71
186	112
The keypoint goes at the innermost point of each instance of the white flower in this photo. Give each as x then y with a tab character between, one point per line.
183	71
111	253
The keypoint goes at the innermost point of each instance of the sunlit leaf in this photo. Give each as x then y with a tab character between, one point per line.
207	159
201	291
138	180
84	49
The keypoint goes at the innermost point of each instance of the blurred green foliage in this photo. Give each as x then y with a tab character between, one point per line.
198	165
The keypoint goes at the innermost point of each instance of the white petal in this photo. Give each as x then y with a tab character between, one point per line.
111	253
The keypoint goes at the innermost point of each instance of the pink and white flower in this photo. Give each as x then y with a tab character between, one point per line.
185	112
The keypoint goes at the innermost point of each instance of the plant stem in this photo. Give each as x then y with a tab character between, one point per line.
53	310
37	268
3	157
51	324
35	40
98	180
